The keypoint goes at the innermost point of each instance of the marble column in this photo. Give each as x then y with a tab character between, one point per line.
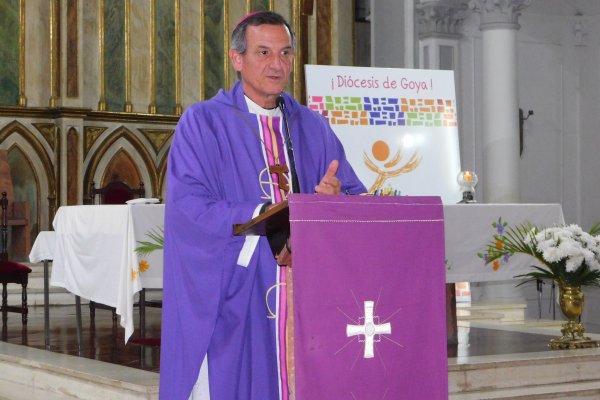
498	24
499	108
439	24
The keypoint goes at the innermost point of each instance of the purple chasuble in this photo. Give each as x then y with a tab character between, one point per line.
211	305
369	297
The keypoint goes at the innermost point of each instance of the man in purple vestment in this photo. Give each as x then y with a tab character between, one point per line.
230	158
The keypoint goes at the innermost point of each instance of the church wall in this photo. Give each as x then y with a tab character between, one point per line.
590	125
89	94
37	53
589	162
70	140
540	89
549	75
9	52
549	70
387	33
468	96
343	45
191	53
140	43
559	80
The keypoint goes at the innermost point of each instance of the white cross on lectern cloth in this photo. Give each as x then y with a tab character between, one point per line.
369	329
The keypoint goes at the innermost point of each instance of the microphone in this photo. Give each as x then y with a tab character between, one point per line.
290	149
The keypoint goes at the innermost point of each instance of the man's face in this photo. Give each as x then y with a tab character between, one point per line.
267	63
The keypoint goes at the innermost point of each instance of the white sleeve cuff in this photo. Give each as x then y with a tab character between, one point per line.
250	244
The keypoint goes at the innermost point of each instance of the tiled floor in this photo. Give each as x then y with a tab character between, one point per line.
102	341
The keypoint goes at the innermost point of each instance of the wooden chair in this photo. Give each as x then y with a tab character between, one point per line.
116	192
11	272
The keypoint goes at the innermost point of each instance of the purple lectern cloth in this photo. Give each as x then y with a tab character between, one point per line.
353	249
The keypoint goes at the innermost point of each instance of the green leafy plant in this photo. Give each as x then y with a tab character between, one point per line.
156	242
567	254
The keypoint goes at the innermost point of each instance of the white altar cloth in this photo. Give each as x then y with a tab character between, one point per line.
44	247
470	227
94	256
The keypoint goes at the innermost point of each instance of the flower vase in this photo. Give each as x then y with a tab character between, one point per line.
571	302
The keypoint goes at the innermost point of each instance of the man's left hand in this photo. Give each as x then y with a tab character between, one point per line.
330	184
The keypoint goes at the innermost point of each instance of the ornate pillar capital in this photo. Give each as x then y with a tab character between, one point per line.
442	18
503	14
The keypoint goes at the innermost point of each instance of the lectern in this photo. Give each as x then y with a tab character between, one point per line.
366	311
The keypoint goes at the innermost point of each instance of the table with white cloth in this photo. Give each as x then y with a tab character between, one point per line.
95	258
469	228
43	251
95	255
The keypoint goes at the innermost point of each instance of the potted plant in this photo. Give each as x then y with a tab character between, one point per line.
567	255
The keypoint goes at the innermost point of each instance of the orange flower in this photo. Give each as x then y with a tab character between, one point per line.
144	266
496	265
133	274
499	244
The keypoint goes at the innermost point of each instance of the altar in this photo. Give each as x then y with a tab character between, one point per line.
94	255
469	228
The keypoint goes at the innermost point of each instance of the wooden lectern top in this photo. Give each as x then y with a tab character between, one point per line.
275	219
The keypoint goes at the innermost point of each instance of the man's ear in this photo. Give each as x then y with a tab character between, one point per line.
236	60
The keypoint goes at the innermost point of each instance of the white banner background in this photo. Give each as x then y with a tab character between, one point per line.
380	113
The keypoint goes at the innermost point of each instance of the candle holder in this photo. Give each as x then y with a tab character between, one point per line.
467	180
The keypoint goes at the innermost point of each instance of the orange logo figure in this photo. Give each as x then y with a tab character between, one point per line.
381	152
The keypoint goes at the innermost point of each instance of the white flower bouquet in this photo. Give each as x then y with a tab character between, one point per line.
567	253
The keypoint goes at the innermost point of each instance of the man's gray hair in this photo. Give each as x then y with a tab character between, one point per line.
238	36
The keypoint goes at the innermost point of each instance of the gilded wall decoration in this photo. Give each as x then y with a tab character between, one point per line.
165	56
114	54
90	135
158	137
9	52
258	5
73	187
324	32
72	50
48	131
214	54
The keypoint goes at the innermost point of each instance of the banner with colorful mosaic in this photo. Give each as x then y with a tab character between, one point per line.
399	126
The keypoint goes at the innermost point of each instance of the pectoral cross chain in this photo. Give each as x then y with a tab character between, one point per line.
281	171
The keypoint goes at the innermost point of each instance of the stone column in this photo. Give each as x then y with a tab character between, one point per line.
499	108
439	24
498	24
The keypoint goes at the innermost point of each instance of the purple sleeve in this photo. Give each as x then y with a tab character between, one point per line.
200	252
